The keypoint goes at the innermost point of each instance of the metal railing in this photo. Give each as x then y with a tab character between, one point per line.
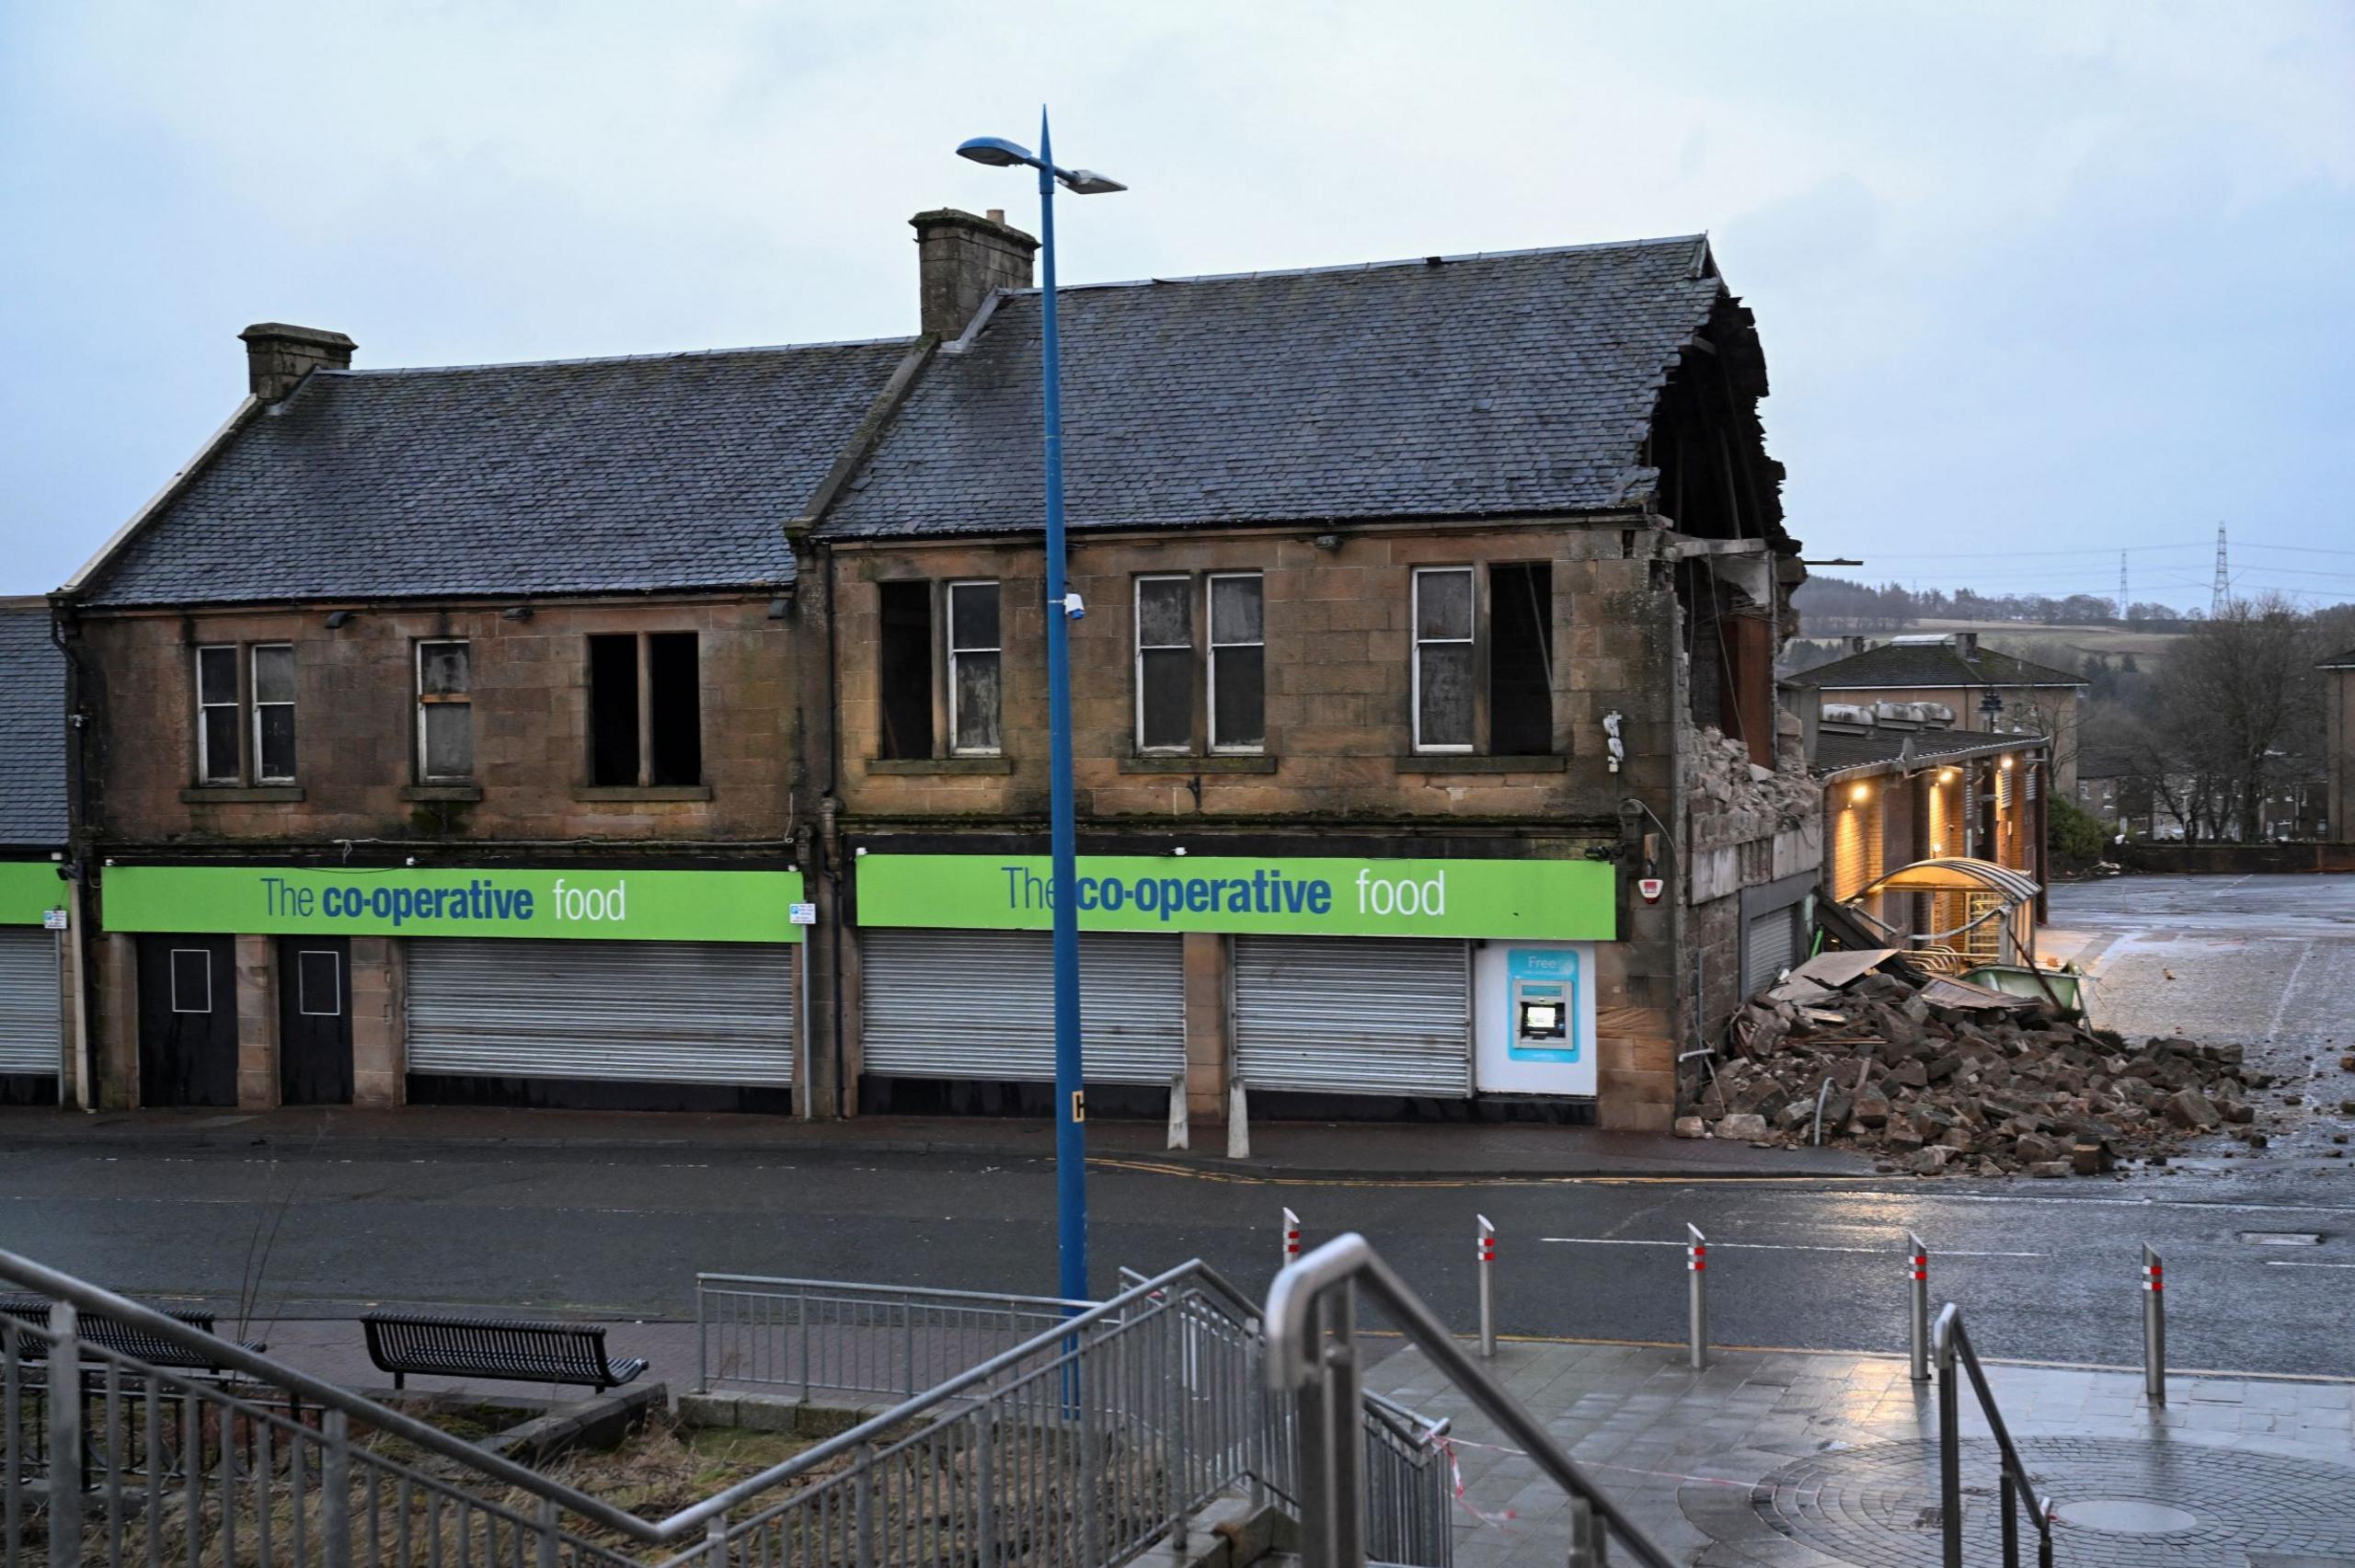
1312	1360
1075	1449
1951	1347
827	1336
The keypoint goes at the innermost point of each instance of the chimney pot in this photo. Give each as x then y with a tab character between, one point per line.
996	214
961	260
278	356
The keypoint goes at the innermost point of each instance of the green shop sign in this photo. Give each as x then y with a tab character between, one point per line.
1559	900
28	890
604	906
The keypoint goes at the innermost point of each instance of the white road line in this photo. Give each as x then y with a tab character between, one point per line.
1778	1247
2285	1262
2141	1203
2273	1029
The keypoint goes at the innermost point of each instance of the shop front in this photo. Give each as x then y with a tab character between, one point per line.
622	987
32	1014
1325	975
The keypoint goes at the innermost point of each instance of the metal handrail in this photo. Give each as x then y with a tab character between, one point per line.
1299	1315
233	1357
920	1292
1951	1344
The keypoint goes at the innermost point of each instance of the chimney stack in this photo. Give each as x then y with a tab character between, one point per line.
1966	644
279	356
961	260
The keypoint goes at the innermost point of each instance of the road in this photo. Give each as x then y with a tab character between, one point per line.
2048	1270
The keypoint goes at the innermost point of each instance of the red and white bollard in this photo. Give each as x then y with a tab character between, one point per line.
1291	1238
1487	1252
2154	1328
1696	1264
1918	1265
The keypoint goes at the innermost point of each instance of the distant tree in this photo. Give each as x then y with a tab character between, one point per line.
2077	837
2232	698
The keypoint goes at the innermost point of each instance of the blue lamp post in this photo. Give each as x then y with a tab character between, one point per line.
1062	608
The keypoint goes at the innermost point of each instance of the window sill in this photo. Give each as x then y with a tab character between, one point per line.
999	765
1469	762
622	794
1216	762
442	792
241	794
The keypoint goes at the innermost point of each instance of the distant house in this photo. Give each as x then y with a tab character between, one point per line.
1950	670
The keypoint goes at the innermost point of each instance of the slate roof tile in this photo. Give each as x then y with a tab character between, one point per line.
594	475
1900	665
1480	385
32	730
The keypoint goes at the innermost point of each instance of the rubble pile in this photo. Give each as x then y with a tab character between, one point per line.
1938	1075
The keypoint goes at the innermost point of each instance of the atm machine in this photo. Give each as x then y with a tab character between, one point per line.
1533	1018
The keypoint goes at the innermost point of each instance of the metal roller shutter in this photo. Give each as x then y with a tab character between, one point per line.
661	1012
982	1004
1354	1015
30	1019
1771	947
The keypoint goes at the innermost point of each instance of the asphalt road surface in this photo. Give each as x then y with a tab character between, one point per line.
2047	1270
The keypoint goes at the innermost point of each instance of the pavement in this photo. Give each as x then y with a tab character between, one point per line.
1798	1460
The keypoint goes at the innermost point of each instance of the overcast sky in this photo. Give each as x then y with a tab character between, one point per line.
2032	278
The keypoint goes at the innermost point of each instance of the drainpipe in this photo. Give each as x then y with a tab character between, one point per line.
79	859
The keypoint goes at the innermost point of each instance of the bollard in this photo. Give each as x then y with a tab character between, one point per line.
1238	1122
1918	1326
1291	1238
1179	1134
1487	1252
1696	1264
2154	1328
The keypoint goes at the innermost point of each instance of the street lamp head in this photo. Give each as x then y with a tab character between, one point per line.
1088	183
994	151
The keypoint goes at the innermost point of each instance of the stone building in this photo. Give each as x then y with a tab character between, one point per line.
38	933
499	734
1951	671
441	734
2338	737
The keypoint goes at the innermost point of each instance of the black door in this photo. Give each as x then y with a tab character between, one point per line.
314	1021
187	1021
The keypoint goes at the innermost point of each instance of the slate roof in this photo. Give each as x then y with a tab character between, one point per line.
1502	384
1900	665
2344	661
32	728
628	474
1839	753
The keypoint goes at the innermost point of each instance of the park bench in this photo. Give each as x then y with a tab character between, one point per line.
123	1339
452	1345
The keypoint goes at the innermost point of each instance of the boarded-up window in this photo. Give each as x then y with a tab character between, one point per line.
1164	671
974	673
1521	659
903	670
1443	658
1238	663
445	725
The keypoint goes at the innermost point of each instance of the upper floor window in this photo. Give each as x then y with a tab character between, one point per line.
217	716
903	664
445	723
645	709
1453	702
975	684
245	728
1238	663
274	713
1227	663
1165	664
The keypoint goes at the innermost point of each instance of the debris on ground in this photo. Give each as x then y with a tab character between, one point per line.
1934	1074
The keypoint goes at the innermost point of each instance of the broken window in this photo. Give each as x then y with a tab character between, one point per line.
613	709
675	723
1443	613
974	668
1238	663
274	676
645	709
903	670
216	715
1521	659
445	723
1165	664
